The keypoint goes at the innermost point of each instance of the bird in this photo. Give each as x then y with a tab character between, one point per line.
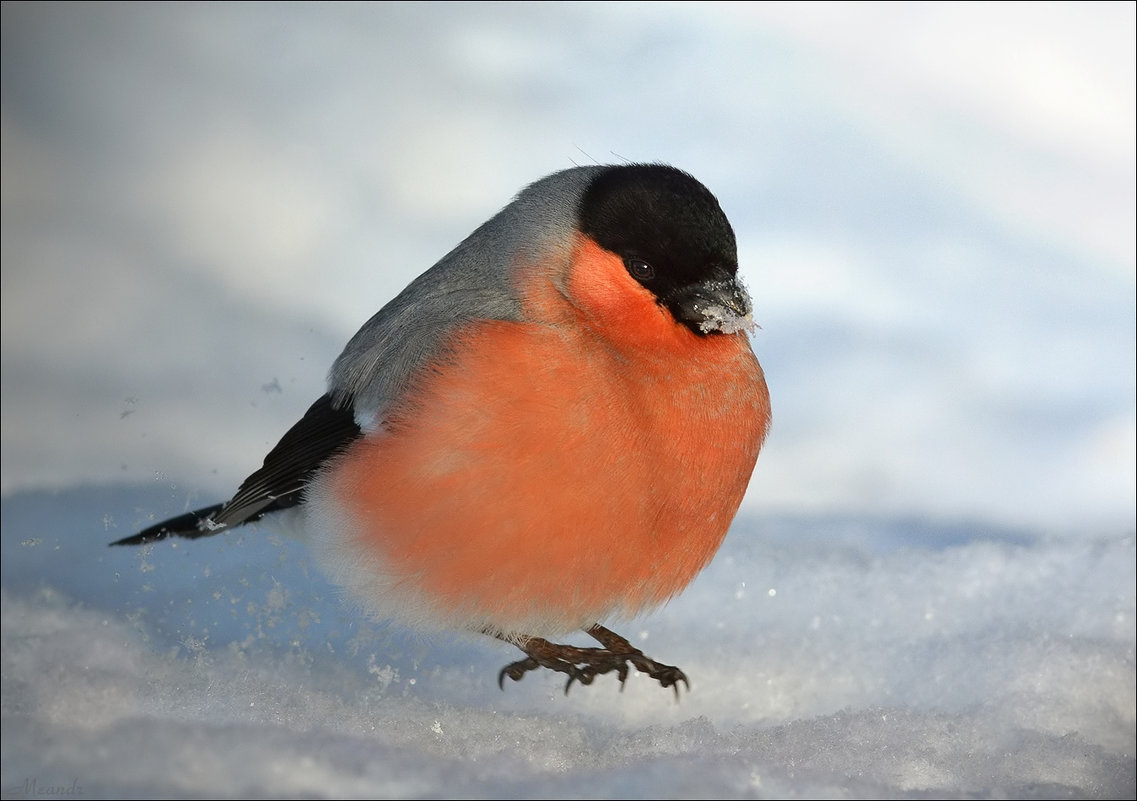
552	426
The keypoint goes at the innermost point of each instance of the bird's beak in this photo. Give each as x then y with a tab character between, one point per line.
716	306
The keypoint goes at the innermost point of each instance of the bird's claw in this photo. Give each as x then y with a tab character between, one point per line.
583	665
516	670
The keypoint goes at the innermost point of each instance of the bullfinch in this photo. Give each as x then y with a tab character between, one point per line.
553	425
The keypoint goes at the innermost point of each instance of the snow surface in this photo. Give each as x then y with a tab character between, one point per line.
934	204
829	658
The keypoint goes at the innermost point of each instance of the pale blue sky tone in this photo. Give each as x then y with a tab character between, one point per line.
934	203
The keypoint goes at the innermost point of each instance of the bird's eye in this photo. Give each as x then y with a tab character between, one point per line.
640	269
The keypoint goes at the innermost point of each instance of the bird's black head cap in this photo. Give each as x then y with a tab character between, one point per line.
668	228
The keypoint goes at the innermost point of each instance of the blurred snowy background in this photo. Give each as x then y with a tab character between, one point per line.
930	588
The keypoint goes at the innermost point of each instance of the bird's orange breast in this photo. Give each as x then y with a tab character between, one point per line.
546	474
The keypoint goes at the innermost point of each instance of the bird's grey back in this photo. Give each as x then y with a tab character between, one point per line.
473	281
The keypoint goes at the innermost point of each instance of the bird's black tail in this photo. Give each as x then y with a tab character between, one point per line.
191	525
324	431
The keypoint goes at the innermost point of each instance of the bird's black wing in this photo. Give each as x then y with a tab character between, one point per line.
324	430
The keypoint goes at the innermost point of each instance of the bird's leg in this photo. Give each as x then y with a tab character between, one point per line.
585	664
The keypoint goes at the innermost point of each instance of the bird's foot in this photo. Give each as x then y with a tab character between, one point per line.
582	665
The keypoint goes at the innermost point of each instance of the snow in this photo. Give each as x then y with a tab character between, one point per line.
720	318
829	657
930	588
